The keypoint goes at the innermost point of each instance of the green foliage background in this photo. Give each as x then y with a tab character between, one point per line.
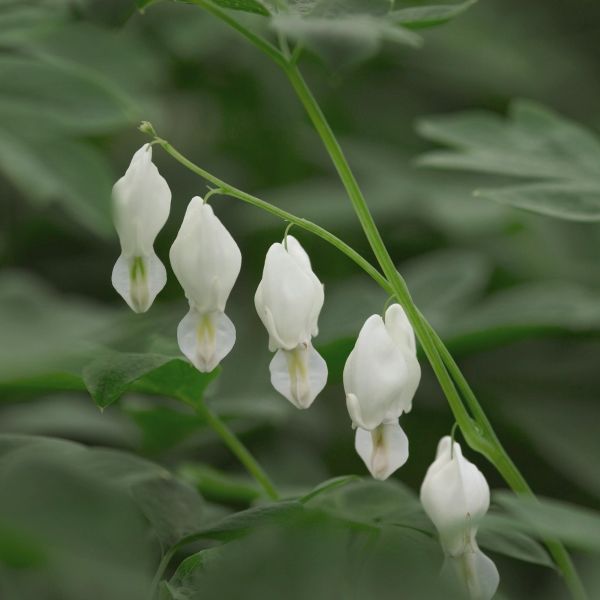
515	294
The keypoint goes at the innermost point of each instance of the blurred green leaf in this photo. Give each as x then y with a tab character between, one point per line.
251	6
445	284
162	427
534	143
575	526
174	508
86	526
370	502
343	32
45	332
241	523
570	201
414	15
184	581
513	544
19	551
60	96
21	21
328	486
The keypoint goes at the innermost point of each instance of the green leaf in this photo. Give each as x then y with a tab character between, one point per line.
418	17
164	428
444	284
570	201
45	332
49	169
533	143
84	527
251	6
343	32
513	544
185	579
369	502
240	523
575	526
328	486
60	96
20	551
173	508
110	376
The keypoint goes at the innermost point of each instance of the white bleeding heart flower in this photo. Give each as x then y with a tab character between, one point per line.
288	300
455	496
141	204
207	261
381	376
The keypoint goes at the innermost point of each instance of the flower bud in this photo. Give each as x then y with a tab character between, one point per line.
141	203
381	377
288	300
455	496
206	261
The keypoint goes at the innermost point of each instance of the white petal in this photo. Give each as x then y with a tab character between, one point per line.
205	258
299	374
141	204
476	572
139	279
376	374
455	495
289	298
296	251
383	450
399	328
205	338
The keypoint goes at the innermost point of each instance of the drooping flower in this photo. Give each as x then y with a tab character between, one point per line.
207	262
141	203
455	495
288	300
381	376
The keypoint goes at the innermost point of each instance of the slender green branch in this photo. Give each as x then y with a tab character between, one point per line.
236	446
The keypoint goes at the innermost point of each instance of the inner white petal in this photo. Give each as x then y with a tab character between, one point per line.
299	374
139	279
205	338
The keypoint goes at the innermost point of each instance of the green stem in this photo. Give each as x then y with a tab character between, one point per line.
236	446
160	571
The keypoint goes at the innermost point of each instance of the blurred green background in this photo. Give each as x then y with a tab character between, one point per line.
516	296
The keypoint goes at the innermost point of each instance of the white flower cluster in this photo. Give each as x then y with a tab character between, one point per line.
381	375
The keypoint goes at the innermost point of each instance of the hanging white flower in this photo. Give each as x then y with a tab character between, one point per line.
288	300
141	203
207	262
381	376
456	496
